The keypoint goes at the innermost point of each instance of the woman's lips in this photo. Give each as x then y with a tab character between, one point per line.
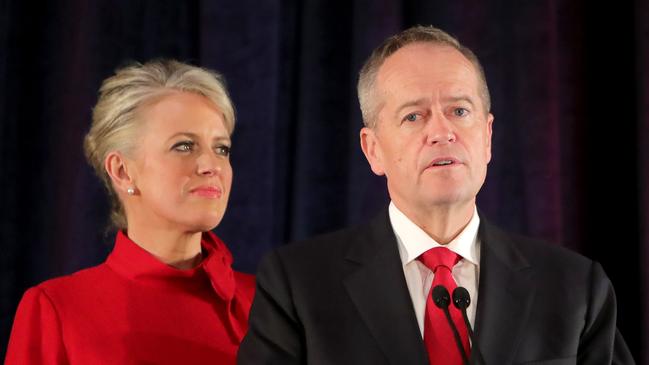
211	192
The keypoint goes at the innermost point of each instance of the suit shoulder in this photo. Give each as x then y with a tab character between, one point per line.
537	251
551	250
331	244
318	256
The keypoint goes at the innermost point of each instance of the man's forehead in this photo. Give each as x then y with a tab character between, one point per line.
424	58
416	76
416	83
425	66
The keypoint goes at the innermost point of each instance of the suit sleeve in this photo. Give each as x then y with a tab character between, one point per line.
36	334
275	334
601	342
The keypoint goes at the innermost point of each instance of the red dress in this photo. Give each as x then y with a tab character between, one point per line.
133	309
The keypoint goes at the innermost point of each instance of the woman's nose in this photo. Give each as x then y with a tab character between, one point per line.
208	165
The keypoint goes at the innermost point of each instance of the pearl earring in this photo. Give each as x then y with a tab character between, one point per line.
130	191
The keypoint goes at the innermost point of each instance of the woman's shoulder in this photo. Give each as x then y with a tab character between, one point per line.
244	279
54	301
74	284
245	282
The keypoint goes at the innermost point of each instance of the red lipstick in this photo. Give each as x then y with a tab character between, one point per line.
210	192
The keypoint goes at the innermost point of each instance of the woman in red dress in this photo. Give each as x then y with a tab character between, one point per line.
160	142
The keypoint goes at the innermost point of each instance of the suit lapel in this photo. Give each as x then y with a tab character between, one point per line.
505	296
379	291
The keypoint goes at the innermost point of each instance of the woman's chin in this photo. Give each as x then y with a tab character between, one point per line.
206	223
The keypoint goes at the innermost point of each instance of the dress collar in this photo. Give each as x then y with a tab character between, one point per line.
134	262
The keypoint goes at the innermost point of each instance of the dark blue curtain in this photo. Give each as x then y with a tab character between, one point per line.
570	94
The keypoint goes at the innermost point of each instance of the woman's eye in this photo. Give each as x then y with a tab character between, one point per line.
460	112
412	117
185	146
223	150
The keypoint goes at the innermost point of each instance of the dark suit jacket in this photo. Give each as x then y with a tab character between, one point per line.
342	299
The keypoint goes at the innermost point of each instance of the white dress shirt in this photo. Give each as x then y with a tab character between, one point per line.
413	241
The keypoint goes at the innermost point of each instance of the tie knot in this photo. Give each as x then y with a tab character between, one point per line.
439	256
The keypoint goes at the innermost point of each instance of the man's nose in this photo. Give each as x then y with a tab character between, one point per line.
440	130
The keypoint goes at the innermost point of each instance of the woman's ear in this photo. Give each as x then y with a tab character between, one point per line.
118	169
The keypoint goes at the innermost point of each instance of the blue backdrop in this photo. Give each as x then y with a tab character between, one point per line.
570	94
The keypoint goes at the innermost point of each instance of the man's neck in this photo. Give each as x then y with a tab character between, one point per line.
441	223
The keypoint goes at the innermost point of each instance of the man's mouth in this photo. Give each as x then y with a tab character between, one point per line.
443	162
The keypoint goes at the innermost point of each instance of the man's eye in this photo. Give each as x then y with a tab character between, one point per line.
460	112
412	117
185	146
223	150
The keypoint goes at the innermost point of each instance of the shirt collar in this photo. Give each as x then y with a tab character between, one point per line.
413	241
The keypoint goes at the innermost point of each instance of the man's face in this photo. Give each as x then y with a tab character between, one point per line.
432	138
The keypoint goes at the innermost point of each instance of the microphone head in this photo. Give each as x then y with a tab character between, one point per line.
461	298
441	297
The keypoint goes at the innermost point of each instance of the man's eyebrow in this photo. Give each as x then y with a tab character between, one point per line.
409	104
455	99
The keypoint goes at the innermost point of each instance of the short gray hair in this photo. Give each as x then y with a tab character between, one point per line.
417	34
115	116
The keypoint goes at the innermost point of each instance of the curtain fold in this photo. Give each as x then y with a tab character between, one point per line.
642	42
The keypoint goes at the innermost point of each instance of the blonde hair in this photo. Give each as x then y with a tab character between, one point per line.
115	116
418	34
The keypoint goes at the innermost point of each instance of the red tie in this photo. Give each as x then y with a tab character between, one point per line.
438	335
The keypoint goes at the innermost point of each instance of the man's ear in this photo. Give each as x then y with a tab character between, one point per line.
118	169
372	150
490	122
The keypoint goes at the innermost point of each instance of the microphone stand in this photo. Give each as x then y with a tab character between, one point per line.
442	299
462	300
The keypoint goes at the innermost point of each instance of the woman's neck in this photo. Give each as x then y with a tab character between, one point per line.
181	250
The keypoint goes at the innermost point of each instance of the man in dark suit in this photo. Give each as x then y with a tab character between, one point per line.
362	295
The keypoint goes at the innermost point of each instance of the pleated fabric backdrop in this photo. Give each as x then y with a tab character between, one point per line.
570	94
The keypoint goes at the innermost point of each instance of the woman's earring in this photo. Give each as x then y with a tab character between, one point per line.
130	191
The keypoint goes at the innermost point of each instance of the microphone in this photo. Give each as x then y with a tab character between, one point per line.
462	300
442	299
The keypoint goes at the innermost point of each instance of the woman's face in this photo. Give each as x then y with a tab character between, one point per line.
181	165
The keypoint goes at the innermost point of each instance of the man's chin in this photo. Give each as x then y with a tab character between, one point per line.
449	200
